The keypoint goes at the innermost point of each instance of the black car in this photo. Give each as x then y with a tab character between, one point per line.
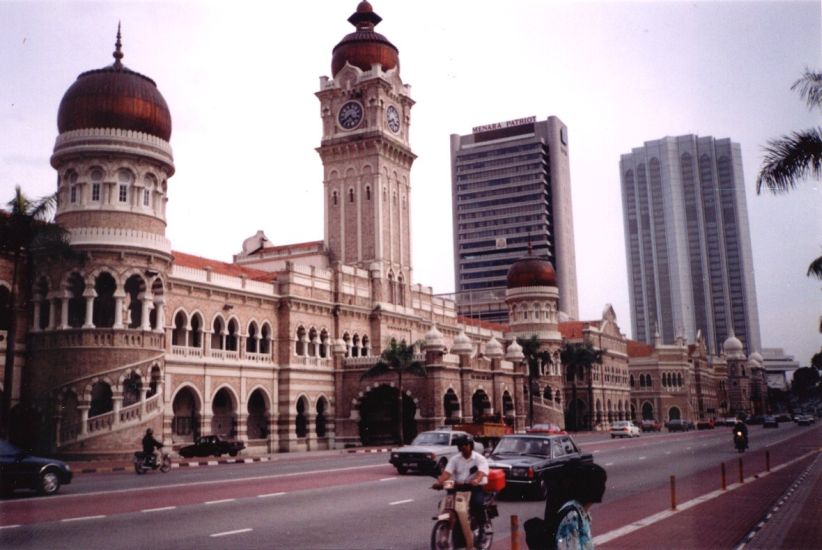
21	470
530	460
212	445
770	422
679	425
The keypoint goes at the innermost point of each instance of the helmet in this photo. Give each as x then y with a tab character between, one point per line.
149	431
461	440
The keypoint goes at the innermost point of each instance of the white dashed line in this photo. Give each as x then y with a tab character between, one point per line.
597	451
163	509
84	518
267	495
9	526
667	452
226	533
610	464
388	478
406	501
219	501
642	458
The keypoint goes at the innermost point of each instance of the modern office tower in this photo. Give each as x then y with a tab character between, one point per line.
511	190
687	241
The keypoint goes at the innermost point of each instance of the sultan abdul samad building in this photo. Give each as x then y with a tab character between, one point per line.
270	348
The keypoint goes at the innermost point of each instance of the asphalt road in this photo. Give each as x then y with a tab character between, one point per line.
340	501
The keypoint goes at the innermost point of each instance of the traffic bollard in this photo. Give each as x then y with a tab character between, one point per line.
514	532
741	474
722	470
767	461
673	492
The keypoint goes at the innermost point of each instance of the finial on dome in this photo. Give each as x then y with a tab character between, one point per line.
364	17
118	52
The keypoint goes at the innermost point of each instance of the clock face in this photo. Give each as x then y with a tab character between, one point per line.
350	115
393	119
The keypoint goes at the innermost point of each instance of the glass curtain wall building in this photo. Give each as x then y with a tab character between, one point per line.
687	241
510	184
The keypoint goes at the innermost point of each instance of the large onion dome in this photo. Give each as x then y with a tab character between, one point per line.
364	47
733	346
531	271
115	97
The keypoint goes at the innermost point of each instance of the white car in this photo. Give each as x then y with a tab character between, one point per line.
429	452
624	428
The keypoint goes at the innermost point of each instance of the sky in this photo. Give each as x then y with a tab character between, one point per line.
240	77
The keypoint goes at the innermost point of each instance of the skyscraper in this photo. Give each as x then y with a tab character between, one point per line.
510	186
687	241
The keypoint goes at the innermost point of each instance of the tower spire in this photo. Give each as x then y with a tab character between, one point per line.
118	52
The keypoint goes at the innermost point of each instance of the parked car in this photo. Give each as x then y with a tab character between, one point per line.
429	452
729	421
805	420
22	470
753	420
650	426
545	429
530	460
706	424
770	422
783	417
679	425
212	445
624	428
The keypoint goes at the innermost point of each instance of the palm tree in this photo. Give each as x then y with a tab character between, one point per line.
536	359
578	358
790	159
25	233
398	357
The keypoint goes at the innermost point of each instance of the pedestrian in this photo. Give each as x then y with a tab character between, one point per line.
567	524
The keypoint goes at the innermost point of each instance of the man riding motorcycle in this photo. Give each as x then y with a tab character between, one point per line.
467	468
149	444
740	427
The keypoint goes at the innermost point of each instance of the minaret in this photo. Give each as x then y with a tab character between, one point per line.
366	112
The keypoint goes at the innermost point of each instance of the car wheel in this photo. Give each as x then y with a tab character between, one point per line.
49	483
232	453
402	470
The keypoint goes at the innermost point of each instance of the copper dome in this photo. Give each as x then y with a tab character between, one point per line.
531	271
364	47
115	97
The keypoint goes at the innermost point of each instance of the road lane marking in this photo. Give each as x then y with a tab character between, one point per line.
597	451
163	509
642	458
9	526
267	495
388	478
82	518
610	464
235	532
406	501
219	501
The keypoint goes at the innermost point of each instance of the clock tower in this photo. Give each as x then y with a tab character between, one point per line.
366	111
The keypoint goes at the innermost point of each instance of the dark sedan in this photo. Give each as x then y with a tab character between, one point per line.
21	470
530	460
212	445
770	422
679	425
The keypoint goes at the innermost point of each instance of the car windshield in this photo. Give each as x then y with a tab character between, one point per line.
524	446
7	448
431	439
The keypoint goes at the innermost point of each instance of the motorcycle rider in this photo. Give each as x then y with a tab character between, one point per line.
741	427
467	468
149	444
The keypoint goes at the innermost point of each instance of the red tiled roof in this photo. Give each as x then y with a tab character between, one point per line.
223	268
308	245
639	349
571	330
482	324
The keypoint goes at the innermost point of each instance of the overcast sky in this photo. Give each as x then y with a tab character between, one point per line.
240	79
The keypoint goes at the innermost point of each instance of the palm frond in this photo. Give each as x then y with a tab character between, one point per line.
416	368
810	88
789	159
815	269
379	368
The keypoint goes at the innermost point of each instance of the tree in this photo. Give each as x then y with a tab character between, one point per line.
398	357
536	359
805	381
578	359
790	159
25	234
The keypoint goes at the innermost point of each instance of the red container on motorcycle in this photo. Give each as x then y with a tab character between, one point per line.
496	481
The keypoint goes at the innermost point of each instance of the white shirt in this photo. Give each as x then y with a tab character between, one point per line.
460	467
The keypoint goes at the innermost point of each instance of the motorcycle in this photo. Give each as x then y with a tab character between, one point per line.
142	464
456	527
740	441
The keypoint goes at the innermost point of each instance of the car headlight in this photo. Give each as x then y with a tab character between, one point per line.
395	455
68	468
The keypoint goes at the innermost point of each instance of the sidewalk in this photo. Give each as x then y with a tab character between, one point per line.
123	465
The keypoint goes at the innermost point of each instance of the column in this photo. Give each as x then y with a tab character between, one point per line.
119	297
159	305
89	295
117	401
83	418
35	321
64	308
143	392
147	305
52	298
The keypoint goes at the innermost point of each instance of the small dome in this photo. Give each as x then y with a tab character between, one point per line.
514	352
733	346
433	338
756	357
364	47
493	349
531	271
115	97
462	344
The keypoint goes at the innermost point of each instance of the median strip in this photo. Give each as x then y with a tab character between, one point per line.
235	532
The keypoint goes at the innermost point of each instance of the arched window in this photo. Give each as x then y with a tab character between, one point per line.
312	342
252	340
320	421
347	341
368	192
233	336
351	194
179	333
265	339
77	304
300	344
301	421
103	314
355	346
101	401
196	331
324	343
364	349
135	294
218	333
131	389
334	198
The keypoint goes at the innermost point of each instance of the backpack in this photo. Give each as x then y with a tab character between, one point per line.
536	530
